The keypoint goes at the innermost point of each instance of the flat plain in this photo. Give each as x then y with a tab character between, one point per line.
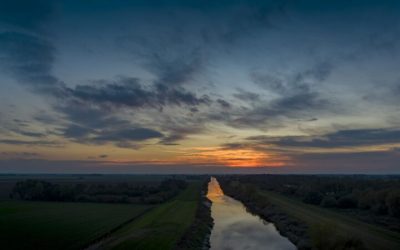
161	227
59	225
375	237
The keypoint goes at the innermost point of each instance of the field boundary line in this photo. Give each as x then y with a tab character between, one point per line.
113	230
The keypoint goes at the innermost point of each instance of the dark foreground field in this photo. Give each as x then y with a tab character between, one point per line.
137	223
56	225
172	212
161	228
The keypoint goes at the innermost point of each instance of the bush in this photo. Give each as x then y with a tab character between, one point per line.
327	237
313	197
329	201
393	203
347	202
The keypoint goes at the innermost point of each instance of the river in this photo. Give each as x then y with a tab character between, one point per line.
236	229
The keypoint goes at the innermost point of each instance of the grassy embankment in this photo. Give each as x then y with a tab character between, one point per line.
373	236
160	228
59	225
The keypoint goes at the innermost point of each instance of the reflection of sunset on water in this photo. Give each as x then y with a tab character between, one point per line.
236	229
215	192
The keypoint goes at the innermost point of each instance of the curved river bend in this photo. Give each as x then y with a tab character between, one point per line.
236	229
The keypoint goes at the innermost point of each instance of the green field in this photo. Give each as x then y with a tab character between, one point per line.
374	237
161	227
54	225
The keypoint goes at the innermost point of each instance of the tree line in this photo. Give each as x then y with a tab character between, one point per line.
40	190
380	195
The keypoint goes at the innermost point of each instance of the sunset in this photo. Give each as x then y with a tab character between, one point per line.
290	109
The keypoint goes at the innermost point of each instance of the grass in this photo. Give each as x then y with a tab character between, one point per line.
54	225
160	228
373	236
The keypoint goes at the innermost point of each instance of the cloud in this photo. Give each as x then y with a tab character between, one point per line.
43	143
30	134
29	59
134	134
246	96
76	131
19	155
94	125
128	92
293	96
179	128
341	138
224	104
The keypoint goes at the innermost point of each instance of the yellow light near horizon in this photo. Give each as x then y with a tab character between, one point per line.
235	157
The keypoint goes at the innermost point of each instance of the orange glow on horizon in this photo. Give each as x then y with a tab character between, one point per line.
214	156
236	157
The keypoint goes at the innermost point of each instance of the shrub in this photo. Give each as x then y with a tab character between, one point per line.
313	197
347	201
393	203
327	237
329	201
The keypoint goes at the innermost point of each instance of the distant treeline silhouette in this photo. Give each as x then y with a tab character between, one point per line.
375	199
39	190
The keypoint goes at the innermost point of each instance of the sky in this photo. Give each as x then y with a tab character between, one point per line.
199	86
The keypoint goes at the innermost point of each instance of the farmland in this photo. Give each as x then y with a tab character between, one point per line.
54	225
43	221
374	237
160	228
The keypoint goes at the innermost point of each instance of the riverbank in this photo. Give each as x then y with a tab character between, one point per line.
197	236
325	229
295	230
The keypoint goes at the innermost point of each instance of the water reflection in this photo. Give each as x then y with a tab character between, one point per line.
235	228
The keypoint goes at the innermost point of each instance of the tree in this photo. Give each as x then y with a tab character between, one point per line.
393	203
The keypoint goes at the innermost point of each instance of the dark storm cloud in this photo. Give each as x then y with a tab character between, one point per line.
341	138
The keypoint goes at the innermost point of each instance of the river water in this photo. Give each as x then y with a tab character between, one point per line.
236	229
